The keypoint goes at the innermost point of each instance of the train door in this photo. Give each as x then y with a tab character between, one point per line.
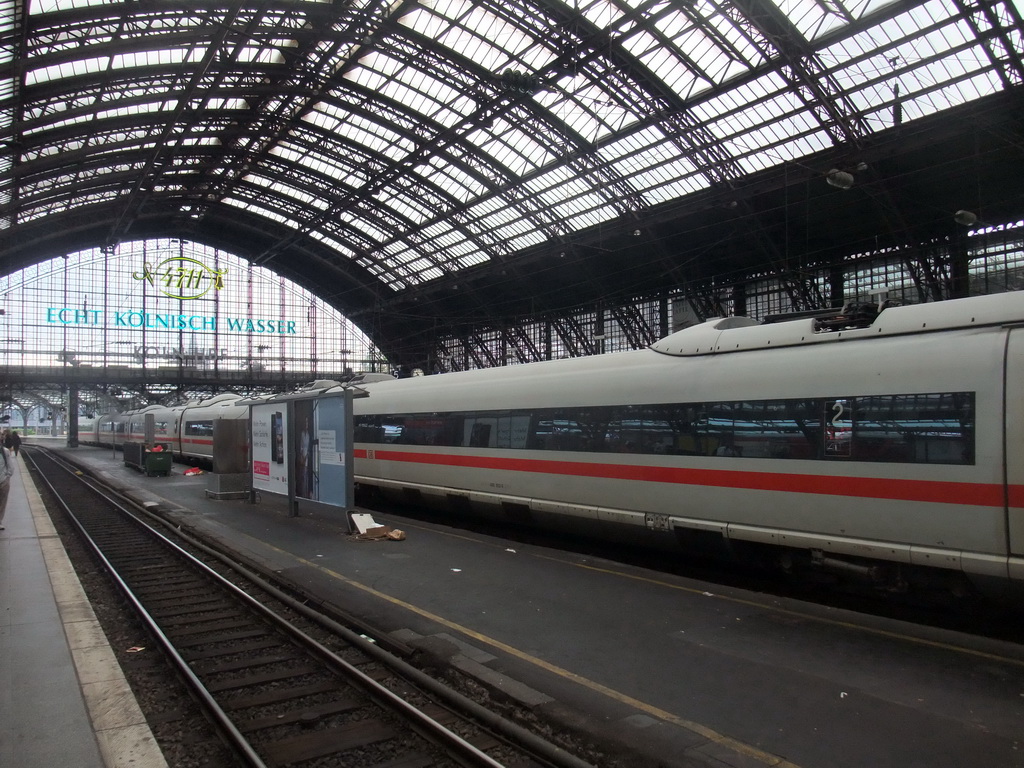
1014	437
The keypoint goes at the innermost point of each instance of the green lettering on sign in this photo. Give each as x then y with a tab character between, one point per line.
182	277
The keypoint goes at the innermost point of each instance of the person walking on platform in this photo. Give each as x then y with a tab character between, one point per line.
6	470
15	442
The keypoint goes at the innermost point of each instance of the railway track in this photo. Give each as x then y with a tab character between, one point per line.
279	688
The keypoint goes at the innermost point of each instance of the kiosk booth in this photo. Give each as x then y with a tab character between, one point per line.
301	448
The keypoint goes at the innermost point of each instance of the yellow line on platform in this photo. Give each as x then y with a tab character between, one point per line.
707	733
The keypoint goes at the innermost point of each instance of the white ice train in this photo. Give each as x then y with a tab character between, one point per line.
887	444
188	428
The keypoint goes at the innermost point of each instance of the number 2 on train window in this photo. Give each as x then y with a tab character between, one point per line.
838	427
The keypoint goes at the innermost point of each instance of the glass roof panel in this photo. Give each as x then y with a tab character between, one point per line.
588	110
473	31
148	58
453	180
664	97
131	109
66	69
656	166
328	114
376	137
332	166
501	221
516	150
702	55
259	207
601	13
368	227
88	120
814	18
407	207
50	6
931	68
333	243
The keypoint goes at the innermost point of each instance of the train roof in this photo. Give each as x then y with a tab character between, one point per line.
740	334
674	369
225	398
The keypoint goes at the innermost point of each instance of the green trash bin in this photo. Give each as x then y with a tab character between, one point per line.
158	462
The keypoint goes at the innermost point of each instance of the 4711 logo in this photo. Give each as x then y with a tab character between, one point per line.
182	277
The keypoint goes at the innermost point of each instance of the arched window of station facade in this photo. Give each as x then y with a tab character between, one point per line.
172	303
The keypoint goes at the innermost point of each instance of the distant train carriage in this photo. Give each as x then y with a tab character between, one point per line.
195	422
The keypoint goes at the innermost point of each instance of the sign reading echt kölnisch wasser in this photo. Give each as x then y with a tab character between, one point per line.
182	278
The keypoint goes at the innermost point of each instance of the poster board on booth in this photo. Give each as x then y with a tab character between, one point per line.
322	450
269	468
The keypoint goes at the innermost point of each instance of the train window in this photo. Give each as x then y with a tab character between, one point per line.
514	430
368	429
495	430
641	429
199	428
432	429
674	429
771	429
920	428
481	432
800	430
591	429
568	429
380	429
838	416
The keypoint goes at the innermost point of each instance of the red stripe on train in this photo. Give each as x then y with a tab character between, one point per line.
933	491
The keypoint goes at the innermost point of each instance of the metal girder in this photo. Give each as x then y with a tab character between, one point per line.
705	301
993	25
810	77
578	339
517	338
175	127
481	352
12	49
632	322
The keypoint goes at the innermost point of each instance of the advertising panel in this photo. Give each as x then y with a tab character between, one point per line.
305	460
269	469
320	440
331	436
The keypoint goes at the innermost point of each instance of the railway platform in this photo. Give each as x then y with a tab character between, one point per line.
63	699
667	670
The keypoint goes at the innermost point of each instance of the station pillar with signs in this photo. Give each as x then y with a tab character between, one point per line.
73	417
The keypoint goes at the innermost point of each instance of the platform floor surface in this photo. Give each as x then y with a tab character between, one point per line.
63	699
672	668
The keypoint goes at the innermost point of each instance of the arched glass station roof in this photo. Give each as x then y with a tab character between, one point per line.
389	154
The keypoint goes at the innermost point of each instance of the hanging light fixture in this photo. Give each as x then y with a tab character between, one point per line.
965	218
839	179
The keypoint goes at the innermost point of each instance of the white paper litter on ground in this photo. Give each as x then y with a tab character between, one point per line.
364	522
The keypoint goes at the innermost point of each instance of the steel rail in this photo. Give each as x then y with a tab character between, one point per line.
421	722
220	718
